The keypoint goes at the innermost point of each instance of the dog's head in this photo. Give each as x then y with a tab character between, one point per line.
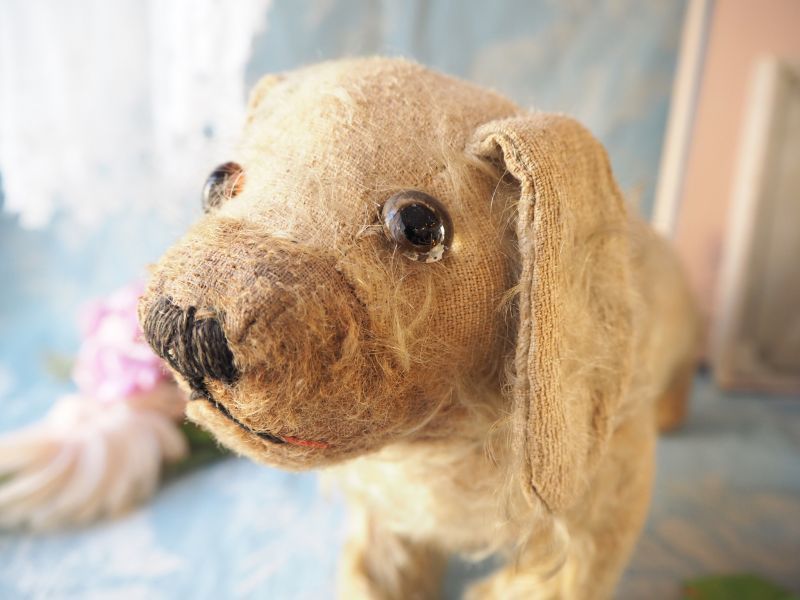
355	260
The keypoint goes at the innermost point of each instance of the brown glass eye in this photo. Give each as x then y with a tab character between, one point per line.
223	184
418	224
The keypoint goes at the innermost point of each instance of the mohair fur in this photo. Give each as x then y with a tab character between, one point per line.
502	400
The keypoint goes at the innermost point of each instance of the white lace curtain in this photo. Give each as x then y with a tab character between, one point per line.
118	105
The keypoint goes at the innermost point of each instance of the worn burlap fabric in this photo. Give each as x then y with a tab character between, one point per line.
337	337
500	400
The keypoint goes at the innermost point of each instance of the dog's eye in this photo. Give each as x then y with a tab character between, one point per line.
418	224
223	184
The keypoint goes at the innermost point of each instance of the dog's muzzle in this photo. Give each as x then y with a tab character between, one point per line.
255	326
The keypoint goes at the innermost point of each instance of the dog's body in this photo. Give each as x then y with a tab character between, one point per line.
416	503
501	401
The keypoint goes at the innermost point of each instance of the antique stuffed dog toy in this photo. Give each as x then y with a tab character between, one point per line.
439	297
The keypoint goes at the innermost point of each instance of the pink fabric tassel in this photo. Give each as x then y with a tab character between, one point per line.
98	452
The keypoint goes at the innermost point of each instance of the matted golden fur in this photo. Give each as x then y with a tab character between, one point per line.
500	401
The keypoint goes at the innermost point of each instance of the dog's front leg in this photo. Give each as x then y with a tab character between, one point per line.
547	567
585	571
379	564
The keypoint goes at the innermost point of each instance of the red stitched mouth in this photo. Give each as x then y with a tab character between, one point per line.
264	435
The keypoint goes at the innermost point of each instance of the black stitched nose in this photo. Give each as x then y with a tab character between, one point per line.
191	340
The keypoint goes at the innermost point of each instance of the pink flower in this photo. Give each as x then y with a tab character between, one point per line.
114	362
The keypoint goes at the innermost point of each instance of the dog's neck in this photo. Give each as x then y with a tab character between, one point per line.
462	452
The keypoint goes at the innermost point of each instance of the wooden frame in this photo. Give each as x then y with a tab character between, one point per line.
756	336
685	90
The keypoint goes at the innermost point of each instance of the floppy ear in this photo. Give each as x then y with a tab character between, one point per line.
574	342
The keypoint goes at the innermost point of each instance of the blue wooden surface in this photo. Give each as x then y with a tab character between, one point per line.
726	500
